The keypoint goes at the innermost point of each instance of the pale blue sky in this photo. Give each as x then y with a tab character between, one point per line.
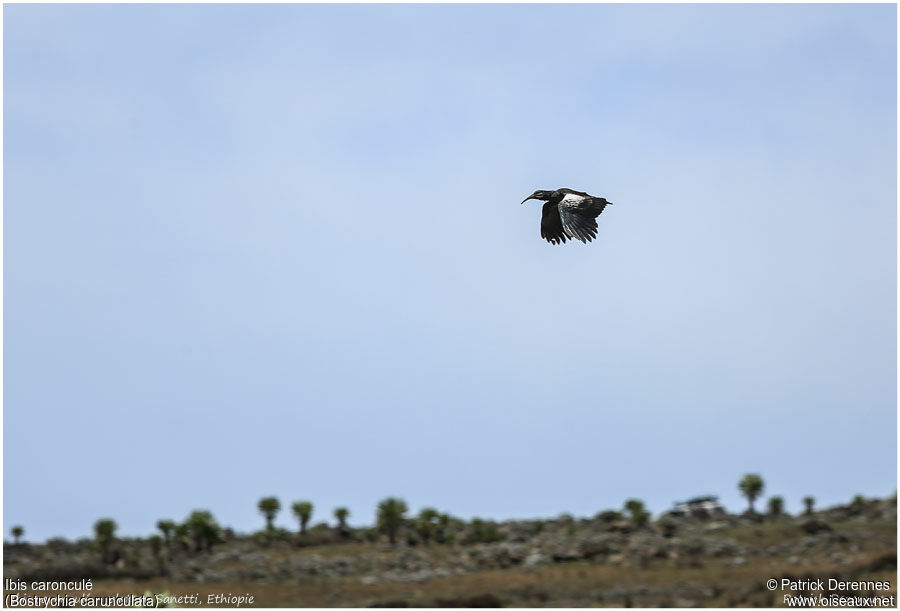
257	250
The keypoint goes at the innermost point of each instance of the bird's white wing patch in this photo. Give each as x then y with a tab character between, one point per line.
572	200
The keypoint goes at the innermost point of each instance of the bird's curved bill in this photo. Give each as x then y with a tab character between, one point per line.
526	199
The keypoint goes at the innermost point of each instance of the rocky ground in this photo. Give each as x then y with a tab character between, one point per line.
721	561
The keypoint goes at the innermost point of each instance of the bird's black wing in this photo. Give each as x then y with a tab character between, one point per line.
564	191
578	213
551	225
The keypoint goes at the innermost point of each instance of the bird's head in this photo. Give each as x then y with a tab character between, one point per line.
539	194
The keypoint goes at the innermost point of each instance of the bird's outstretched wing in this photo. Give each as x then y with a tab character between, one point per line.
551	225
577	214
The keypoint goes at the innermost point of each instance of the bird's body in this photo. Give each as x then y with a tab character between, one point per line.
569	214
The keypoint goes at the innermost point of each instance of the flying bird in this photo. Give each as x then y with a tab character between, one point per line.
568	214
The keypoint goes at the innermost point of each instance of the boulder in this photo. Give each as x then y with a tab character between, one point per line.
815	526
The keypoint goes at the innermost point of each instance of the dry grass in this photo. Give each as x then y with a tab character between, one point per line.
572	584
661	582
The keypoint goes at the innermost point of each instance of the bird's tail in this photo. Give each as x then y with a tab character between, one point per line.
599	203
